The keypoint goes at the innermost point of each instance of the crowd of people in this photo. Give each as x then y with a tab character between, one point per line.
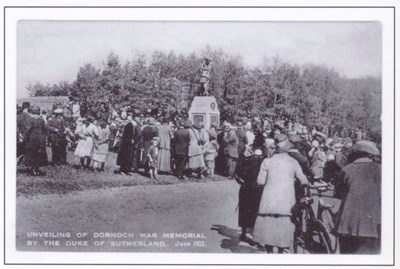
269	158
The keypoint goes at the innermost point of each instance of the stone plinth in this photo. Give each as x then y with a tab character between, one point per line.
205	109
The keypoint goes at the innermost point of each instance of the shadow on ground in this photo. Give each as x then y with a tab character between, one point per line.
233	243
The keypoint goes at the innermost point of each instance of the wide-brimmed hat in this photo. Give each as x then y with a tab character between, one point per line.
367	147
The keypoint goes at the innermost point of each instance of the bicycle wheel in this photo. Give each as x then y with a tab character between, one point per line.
20	161
320	238
327	219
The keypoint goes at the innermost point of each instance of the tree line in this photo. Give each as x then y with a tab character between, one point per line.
316	94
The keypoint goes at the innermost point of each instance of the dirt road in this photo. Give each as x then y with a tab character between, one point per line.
191	217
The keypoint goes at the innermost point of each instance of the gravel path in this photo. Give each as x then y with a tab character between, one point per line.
144	217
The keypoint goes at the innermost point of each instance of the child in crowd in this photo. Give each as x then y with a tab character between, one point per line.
152	158
211	152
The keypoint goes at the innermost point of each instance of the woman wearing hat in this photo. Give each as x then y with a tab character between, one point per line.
35	134
278	174
358	222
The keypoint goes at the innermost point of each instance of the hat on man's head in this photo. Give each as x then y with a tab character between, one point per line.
188	123
227	126
35	110
281	137
295	138
367	147
329	142
26	105
283	144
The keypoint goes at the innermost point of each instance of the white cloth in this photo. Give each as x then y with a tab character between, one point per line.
250	137
85	144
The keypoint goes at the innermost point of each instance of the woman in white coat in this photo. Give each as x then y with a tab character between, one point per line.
273	227
86	133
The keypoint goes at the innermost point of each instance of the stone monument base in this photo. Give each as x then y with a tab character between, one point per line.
204	109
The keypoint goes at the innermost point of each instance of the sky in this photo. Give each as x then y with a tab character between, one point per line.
53	51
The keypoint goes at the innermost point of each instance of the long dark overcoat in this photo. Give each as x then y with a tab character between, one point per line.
360	188
125	153
249	192
35	134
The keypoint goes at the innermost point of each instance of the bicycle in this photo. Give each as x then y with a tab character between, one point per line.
315	233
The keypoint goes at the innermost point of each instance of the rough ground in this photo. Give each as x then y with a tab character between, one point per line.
204	208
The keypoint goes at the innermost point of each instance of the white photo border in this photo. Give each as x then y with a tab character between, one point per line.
385	15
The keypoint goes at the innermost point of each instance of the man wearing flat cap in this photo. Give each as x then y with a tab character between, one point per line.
359	186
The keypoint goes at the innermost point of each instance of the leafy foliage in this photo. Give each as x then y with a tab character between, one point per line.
316	94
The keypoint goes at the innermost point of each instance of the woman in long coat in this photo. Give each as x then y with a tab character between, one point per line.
126	150
35	134
101	146
164	153
148	133
196	152
249	192
359	216
273	227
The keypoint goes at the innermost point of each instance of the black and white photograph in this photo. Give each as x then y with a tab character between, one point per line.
259	137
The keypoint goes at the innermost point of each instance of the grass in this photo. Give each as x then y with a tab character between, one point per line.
64	179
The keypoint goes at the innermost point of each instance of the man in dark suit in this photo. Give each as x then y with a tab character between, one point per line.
58	140
137	144
23	122
242	141
231	153
181	144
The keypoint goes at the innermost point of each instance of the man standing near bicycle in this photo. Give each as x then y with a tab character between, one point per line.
358	222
